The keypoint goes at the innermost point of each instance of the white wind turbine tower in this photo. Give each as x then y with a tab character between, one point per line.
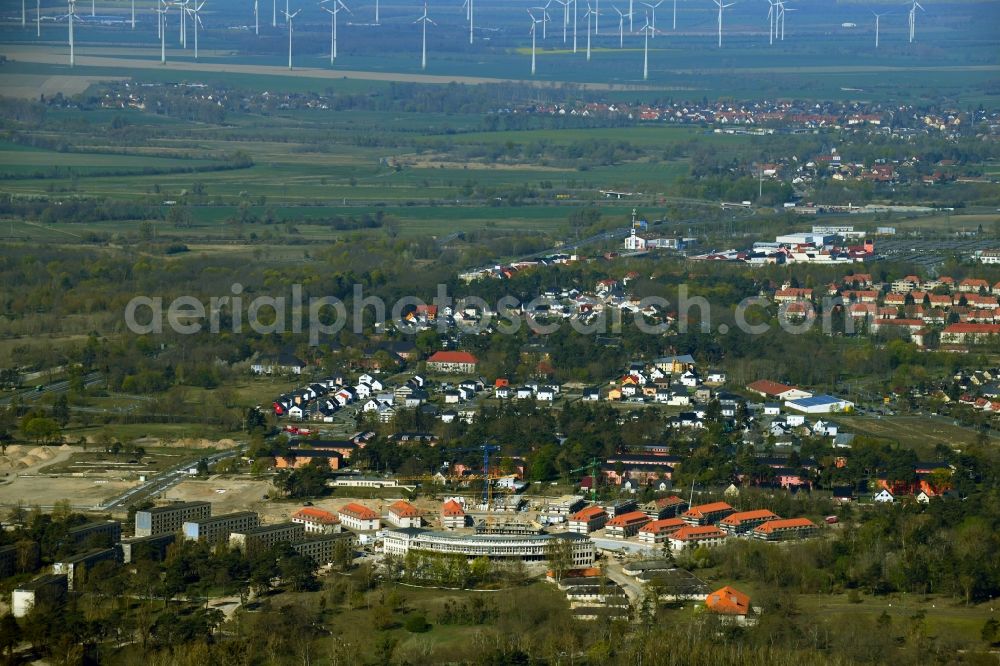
781	16
195	20
770	21
256	17
574	24
183	22
721	7
544	20
590	12
621	27
469	15
675	14
877	18
288	20
647	30
652	10
913	19
338	5
71	14
133	14
376	13
565	5
597	17
161	20
534	23
274	13
24	14
38	18
93	8
423	47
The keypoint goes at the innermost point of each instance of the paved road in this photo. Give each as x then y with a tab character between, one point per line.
60	386
164	481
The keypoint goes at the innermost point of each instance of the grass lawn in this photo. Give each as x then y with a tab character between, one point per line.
921	433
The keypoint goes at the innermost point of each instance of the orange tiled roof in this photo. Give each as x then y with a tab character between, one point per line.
661	526
359	511
740	516
314	515
692	533
702	509
587	514
452	509
728	600
404	509
629	518
786	523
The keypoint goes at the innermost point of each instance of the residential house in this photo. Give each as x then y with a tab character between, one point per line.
625	525
693	536
588	520
404	514
452	362
707	514
359	517
453	516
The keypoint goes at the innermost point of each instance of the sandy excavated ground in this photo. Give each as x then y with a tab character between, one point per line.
228	494
45	491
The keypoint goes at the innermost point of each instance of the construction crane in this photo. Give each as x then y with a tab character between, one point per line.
486	449
594	467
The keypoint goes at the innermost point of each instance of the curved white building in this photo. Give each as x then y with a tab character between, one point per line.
529	548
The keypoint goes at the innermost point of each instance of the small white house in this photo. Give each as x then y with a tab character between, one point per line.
884	497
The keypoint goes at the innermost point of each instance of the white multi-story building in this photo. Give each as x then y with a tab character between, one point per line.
529	548
358	517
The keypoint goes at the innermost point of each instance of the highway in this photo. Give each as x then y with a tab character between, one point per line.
60	386
163	481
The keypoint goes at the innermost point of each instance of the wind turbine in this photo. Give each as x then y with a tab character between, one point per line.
913	19
781	16
574	24
423	47
24	15
196	20
71	14
161	20
590	12
770	21
133	14
338	5
877	18
597	17
38	18
376	13
675	14
631	13
274	13
93	8
565	5
288	20
545	18
721	7
256	17
621	27
647	30
469	14
183	23
652	10
535	22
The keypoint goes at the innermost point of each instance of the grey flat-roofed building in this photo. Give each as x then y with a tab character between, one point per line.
170	518
256	539
216	529
146	548
320	548
96	533
49	588
75	567
8	560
